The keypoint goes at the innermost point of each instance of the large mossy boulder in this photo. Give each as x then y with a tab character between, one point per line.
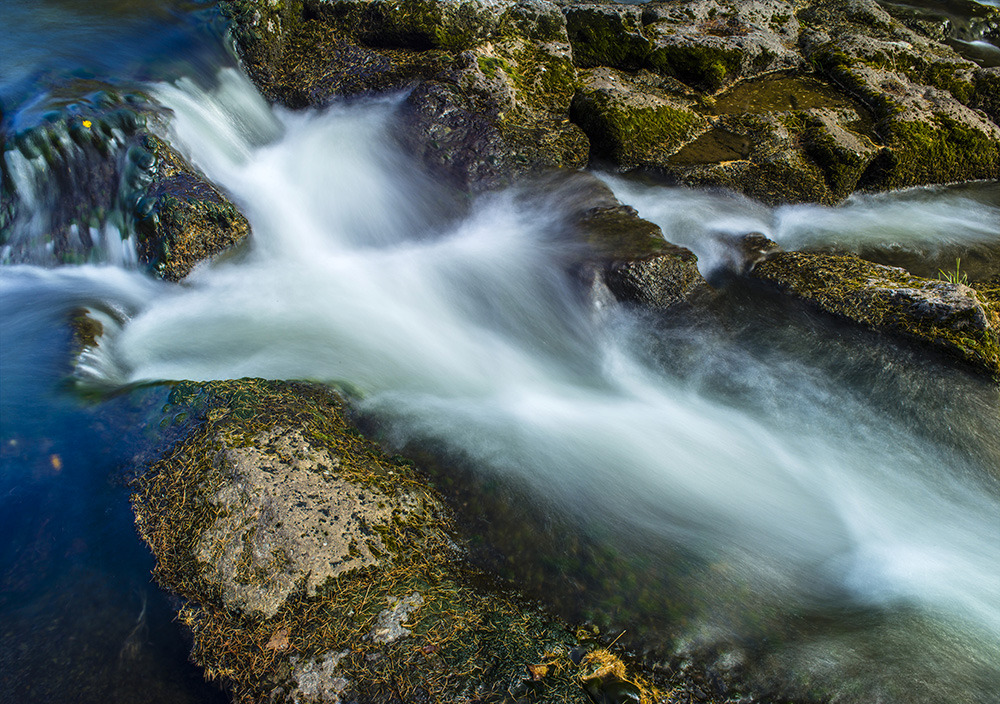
947	315
633	121
488	84
92	170
314	568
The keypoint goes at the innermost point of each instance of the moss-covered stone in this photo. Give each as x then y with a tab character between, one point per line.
499	111
842	154
986	95
399	616
948	316
938	150
630	124
321	65
607	35
918	90
450	25
261	31
711	44
183	219
701	66
495	81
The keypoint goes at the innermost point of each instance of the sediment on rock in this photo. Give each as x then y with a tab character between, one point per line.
315	568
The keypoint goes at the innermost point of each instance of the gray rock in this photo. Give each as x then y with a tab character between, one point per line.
318	680
389	626
949	316
283	520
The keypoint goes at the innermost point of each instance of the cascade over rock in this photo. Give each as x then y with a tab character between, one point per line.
95	169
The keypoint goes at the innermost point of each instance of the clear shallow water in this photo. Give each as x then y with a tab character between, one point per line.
815	511
79	611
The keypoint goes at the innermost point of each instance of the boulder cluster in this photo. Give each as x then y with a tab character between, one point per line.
783	101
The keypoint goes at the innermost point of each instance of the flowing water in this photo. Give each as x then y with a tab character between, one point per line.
800	504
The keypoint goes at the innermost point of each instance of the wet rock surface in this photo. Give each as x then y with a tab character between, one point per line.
93	173
183	219
618	253
950	316
301	525
287	604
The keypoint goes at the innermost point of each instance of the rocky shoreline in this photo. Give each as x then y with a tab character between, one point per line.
314	568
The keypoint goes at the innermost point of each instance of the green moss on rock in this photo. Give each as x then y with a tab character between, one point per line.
950	317
607	36
986	95
183	219
632	128
939	150
698	65
414	623
842	155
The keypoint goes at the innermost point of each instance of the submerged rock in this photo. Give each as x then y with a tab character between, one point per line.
949	316
316	569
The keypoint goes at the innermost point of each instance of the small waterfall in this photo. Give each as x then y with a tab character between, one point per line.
73	182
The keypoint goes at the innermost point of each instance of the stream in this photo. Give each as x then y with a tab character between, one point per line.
806	507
